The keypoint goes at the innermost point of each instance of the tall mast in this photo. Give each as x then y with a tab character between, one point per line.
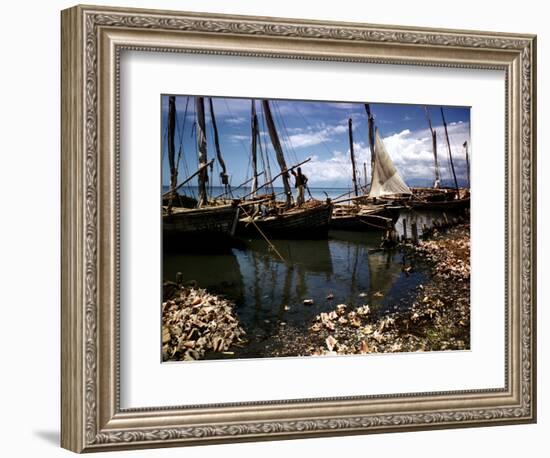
434	148
223	174
449	148
354	175
254	147
278	150
371	138
365	174
201	142
172	148
465	145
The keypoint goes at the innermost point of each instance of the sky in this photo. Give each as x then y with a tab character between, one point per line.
319	130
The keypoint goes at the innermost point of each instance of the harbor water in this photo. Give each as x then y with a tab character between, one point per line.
269	293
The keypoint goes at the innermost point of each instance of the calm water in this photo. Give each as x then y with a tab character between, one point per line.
347	265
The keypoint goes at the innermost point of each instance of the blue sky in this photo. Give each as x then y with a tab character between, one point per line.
320	130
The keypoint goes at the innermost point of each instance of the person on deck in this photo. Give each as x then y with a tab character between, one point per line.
300	184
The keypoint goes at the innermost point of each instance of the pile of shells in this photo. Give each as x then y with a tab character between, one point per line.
439	318
195	323
449	254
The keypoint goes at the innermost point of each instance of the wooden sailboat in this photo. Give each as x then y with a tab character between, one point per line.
283	219
388	186
363	214
210	223
439	198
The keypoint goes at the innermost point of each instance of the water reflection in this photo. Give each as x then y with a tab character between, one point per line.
269	293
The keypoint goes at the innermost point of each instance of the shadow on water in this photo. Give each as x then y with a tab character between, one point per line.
269	293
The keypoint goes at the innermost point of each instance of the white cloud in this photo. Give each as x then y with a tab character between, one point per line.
236	120
315	137
411	153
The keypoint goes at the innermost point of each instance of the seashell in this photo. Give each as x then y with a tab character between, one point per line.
315	327
341	308
364	347
166	337
331	343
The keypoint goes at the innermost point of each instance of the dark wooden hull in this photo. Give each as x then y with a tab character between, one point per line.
360	223
299	223
374	219
199	228
449	205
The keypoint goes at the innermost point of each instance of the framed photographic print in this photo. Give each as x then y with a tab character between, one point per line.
278	228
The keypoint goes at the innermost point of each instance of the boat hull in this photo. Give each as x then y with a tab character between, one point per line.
199	228
299	223
447	205
360	223
363	218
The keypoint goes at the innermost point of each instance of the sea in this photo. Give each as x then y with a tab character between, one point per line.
319	193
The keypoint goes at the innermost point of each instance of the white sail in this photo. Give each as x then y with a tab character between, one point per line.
385	178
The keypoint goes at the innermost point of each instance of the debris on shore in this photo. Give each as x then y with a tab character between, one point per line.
196	323
439	318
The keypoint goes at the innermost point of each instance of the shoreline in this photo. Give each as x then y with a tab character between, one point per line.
438	319
200	325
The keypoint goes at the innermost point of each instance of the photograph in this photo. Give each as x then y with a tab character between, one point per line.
295	228
268	229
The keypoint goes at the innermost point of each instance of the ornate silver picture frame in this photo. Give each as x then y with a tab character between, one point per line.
93	39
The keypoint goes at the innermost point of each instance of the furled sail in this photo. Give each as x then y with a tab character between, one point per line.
385	178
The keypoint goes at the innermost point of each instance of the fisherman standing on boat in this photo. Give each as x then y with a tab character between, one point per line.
300	185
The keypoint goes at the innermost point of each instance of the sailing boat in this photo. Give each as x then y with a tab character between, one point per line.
439	198
208	222
369	212
388	186
283	219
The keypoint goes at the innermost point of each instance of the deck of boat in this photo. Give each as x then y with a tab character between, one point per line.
312	220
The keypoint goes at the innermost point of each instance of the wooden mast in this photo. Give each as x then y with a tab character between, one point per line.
465	145
371	139
449	148
365	174
223	174
201	142
434	149
278	150
354	174
254	148
172	149
267	183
